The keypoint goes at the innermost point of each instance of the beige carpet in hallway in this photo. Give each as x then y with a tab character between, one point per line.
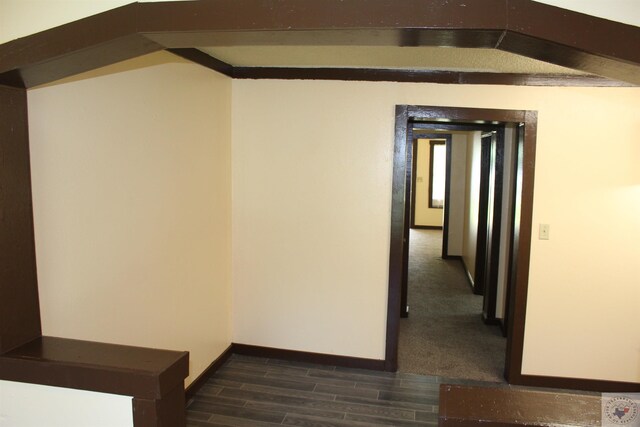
444	334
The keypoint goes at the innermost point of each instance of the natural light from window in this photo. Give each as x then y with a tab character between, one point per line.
438	174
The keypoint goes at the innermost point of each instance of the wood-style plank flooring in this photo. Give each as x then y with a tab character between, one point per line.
250	391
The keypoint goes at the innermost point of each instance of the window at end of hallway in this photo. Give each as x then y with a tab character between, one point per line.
437	173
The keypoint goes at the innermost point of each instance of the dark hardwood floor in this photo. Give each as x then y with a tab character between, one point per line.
252	391
249	391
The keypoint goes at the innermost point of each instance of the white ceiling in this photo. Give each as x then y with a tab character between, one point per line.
385	57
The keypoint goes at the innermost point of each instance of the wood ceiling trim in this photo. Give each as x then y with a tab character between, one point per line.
585	33
523	27
392	75
297	15
73	48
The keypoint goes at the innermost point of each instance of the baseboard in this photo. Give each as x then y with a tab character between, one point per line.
467	274
453	257
494	321
197	384
503	327
602	386
427	227
304	356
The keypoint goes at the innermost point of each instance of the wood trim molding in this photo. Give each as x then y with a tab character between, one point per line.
594	45
603	386
201	58
308	357
19	302
427	227
406	115
197	384
424	76
522	240
462	405
154	378
391	75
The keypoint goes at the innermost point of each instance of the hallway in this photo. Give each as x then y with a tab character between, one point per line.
444	334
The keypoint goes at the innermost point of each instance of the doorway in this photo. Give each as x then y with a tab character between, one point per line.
518	257
446	334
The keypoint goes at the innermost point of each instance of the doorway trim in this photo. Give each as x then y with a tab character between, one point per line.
522	237
445	139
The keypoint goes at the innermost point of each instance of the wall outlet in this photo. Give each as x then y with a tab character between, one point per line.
543	232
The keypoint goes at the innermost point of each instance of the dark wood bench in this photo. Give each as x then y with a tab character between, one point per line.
154	378
506	406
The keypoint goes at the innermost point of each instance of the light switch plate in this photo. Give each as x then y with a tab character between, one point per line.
543	232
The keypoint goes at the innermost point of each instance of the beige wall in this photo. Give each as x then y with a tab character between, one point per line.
627	11
325	292
311	247
457	200
19	18
424	215
472	200
132	206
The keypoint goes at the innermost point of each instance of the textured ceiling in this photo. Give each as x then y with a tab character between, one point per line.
386	57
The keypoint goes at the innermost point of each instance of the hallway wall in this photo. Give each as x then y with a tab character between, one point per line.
311	209
457	197
472	200
131	172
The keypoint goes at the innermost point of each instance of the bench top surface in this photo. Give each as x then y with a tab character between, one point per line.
511	406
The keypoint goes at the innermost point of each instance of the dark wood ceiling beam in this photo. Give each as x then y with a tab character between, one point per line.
392	75
79	61
523	27
422	76
573	40
208	61
565	56
326	15
588	34
336	37
73	48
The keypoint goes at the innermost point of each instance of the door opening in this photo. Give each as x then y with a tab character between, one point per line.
521	229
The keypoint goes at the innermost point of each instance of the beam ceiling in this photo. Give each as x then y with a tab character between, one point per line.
534	30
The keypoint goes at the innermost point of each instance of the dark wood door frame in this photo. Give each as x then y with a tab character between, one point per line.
522	232
446	138
483	207
514	223
408	185
494	226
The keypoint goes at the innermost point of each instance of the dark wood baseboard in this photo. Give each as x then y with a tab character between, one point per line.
503	327
493	321
379	365
197	384
452	257
426	227
304	356
603	386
